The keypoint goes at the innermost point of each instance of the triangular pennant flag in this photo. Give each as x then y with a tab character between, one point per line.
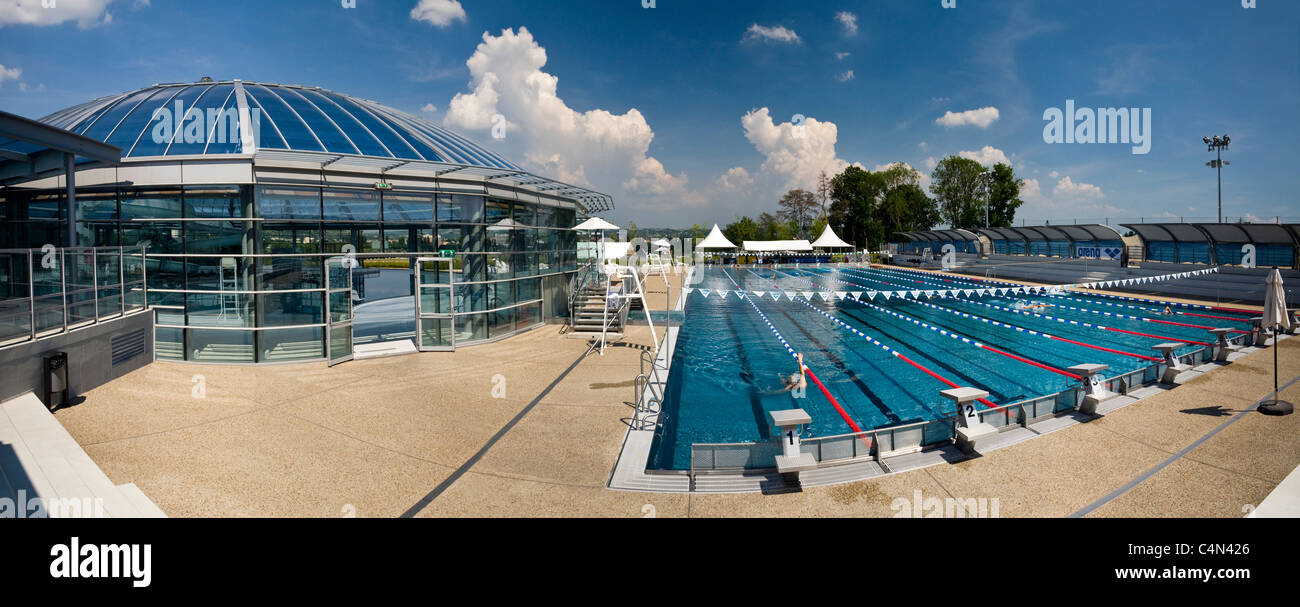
690	290
807	294
760	293
776	295
789	295
966	292
886	294
915	294
826	296
740	294
841	294
983	292
705	292
871	295
1002	292
858	294
929	294
723	293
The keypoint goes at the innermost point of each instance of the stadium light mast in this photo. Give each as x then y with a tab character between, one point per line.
987	179
1217	145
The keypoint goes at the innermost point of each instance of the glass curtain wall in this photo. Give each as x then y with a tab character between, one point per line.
236	272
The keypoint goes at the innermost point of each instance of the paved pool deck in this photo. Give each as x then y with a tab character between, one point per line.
531	427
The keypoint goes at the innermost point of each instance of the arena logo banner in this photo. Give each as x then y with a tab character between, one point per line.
1098	252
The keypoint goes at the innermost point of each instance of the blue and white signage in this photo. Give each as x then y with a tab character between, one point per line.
1098	252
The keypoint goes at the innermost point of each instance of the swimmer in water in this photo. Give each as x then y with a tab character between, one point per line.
1168	311
796	380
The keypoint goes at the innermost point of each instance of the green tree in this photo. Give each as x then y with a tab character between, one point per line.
958	187
854	194
697	232
631	231
799	206
767	227
1004	196
741	230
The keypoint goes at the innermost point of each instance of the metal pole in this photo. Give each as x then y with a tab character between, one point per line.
31	292
69	181
1219	165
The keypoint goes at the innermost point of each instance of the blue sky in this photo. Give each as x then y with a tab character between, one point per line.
683	112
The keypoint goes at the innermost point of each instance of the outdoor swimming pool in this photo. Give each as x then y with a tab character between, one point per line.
728	367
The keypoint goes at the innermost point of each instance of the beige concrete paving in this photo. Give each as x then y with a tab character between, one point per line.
374	437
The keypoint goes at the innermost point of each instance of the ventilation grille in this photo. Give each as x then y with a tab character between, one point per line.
128	346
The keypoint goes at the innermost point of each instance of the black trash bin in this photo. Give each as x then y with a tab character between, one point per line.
56	380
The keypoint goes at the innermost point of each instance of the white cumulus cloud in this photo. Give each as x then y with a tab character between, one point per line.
987	156
849	21
776	33
981	118
845	76
87	13
429	108
9	73
796	154
440	13
595	148
736	178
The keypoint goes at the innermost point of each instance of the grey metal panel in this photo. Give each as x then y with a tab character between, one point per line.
1226	233
1150	232
1027	234
1267	233
1186	232
967	234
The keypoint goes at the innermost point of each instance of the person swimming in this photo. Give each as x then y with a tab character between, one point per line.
1168	311
796	381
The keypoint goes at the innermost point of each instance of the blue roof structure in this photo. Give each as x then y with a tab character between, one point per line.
292	118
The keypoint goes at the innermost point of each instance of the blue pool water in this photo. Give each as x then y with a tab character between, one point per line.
728	366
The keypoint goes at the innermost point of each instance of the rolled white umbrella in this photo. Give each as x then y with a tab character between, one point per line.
1276	318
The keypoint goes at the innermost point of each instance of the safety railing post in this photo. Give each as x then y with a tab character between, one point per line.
31	293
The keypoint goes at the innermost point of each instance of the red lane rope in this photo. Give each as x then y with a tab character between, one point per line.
1186	341
1216	317
1183	324
1104	349
1030	362
836	403
950	384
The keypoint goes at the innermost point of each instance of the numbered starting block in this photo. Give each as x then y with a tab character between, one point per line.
1172	364
789	425
1094	387
969	427
1223	346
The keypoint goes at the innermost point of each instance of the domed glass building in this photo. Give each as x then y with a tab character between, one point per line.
257	203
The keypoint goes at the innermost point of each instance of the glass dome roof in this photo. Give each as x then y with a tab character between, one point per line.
296	118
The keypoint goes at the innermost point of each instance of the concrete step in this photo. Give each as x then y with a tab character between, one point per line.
594	335
143	505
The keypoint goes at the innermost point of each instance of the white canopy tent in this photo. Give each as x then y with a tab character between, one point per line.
830	240
595	224
715	240
777	246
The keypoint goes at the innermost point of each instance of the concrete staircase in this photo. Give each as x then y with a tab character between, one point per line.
589	312
39	459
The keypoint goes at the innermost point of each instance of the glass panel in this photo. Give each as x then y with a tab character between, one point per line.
341	341
296	134
286	309
340	306
289	203
168	343
15	305
500	295
529	290
366	143
525	215
502	322
219	237
498	267
133	273
291	238
413	208
435	300
152	204
397	240
96	206
81	285
498	239
280	345
217	346
470	329
497	211
217	202
473	268
49	292
109	282
524	264
351	205
328	133
471	298
460	208
396	145
219	273
528	315
219	310
289	273
220	125
436	332
139	119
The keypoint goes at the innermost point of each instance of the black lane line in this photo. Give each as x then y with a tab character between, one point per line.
1086	510
747	369
455	476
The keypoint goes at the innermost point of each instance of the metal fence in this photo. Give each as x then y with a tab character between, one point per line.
49	291
909	438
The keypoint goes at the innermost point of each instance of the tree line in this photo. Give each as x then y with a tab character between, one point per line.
866	208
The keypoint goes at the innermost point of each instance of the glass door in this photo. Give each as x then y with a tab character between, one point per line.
435	304
338	308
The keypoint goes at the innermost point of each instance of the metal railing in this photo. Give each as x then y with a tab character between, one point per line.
648	394
49	291
909	438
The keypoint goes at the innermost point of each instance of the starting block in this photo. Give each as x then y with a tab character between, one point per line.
1094	387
